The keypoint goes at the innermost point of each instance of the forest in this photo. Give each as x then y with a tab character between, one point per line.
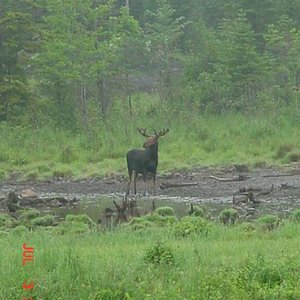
80	76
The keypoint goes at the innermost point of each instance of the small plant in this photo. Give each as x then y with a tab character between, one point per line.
81	218
295	216
160	254
190	225
67	155
197	212
269	222
165	211
47	220
229	216
30	214
248	227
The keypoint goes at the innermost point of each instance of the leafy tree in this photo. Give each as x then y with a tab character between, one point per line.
162	33
283	48
79	54
18	42
240	60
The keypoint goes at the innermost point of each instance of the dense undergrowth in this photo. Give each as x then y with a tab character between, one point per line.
167	258
260	139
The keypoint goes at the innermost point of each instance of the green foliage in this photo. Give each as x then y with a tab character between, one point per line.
229	216
80	224
48	220
190	226
198	212
165	211
295	216
30	214
160	254
269	223
152	220
5	220
81	218
19	230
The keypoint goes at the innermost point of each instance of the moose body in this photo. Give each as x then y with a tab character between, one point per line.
144	161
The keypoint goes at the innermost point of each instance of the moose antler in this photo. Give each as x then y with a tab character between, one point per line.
163	132
142	131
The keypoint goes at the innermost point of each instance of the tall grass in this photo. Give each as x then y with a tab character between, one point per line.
194	139
226	264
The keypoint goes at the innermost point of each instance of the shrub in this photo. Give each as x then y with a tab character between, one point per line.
165	211
76	228
19	230
295	216
30	215
5	220
151	220
269	222
228	216
198	212
190	225
81	218
47	220
159	254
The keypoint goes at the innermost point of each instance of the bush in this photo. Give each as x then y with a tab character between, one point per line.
81	218
76	228
30	215
47	220
5	220
198	212
190	225
165	211
151	220
269	222
228	216
160	255
295	216
19	230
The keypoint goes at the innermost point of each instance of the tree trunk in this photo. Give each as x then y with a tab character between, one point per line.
103	97
84	107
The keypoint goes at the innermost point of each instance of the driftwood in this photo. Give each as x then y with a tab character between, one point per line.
244	198
126	210
166	185
267	192
238	178
249	197
282	175
249	189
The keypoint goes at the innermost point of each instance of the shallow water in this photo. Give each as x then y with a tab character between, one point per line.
95	206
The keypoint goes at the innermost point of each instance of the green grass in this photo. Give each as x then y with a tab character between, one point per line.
228	263
263	139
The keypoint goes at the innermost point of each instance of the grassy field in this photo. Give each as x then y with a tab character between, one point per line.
271	138
179	261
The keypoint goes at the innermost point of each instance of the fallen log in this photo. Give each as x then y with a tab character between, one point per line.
249	189
238	178
282	175
267	192
166	185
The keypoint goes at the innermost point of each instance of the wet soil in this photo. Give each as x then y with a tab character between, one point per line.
284	197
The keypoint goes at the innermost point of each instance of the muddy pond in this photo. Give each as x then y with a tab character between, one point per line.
275	190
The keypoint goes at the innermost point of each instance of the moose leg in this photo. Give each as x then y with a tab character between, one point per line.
145	183
134	181
154	183
129	183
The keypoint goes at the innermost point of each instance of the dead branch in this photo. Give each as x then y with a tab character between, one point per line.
267	192
282	175
166	185
249	189
238	178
